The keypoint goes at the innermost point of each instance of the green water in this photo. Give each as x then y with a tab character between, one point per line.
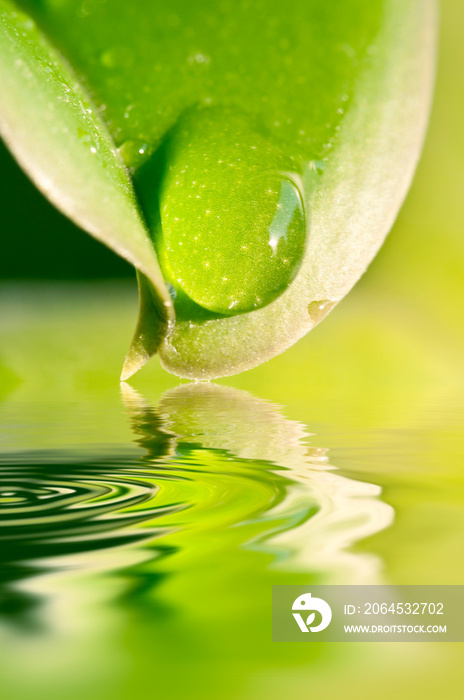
144	525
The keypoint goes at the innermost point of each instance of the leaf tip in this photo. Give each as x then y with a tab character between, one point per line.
126	373
136	358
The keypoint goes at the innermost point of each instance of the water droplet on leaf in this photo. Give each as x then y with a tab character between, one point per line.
317	310
248	220
133	152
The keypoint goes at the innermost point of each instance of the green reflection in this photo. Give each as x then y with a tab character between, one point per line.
223	478
163	556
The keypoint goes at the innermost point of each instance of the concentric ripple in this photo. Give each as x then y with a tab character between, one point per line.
46	501
215	472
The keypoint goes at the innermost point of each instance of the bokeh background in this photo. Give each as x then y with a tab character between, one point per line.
379	385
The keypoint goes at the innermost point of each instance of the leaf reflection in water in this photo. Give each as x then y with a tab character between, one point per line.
341	511
220	472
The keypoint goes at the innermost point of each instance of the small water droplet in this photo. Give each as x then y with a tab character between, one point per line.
317	310
133	152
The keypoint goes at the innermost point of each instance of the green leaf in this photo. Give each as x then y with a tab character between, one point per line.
57	135
327	102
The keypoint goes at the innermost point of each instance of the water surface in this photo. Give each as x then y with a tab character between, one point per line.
143	529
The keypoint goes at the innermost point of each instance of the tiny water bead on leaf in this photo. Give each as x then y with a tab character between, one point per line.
232	230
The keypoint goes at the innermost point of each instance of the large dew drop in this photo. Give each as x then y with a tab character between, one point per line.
232	228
